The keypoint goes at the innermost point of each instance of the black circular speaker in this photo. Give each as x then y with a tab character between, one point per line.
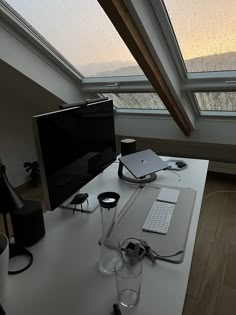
127	146
28	223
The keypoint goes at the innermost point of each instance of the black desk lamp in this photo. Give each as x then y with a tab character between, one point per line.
10	202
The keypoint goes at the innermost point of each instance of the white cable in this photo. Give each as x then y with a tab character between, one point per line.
219	191
174	173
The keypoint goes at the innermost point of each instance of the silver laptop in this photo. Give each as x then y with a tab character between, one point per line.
143	163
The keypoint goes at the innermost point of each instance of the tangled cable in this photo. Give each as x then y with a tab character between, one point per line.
137	248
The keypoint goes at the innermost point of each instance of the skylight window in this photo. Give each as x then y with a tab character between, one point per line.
197	41
143	101
217	101
205	32
82	33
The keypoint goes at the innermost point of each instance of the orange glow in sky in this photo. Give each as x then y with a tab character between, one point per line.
203	27
82	32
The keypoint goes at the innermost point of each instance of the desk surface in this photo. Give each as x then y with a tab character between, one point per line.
64	278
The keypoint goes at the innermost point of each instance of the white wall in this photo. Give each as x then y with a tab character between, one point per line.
207	130
16	135
27	59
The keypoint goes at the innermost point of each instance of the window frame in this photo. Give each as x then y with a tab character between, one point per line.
116	84
191	82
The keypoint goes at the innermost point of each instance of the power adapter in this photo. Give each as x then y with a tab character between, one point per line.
134	250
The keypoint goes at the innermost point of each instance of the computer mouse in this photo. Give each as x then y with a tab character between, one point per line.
181	164
79	198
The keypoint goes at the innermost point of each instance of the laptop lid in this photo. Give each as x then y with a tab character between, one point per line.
143	163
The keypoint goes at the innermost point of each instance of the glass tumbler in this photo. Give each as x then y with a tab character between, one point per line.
128	280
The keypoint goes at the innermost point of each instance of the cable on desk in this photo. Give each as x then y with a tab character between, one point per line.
219	191
141	249
174	173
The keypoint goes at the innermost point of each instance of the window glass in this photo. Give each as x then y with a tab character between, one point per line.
136	100
82	33
217	101
205	31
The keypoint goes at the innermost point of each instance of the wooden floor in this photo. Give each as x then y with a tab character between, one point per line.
212	282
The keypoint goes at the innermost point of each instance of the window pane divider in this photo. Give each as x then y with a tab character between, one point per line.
208	85
115	84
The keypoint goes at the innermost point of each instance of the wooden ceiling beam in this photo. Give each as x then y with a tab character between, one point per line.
118	13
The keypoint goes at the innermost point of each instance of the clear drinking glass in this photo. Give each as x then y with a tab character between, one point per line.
110	246
128	280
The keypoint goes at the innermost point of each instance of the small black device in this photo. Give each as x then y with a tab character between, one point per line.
71	105
83	103
176	165
79	199
96	100
134	250
180	164
127	146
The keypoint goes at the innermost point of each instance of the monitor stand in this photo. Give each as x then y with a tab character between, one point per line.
146	179
89	205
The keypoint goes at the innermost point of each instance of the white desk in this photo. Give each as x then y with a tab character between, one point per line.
64	278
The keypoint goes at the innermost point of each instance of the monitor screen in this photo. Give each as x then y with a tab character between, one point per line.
73	146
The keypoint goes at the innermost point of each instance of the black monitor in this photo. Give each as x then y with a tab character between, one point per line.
73	146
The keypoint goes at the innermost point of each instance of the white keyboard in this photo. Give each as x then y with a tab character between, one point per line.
159	217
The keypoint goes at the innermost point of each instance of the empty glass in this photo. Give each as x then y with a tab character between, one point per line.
128	280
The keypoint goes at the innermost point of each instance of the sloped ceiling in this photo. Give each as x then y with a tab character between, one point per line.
17	85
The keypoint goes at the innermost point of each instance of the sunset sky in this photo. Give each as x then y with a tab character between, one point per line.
81	31
203	27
